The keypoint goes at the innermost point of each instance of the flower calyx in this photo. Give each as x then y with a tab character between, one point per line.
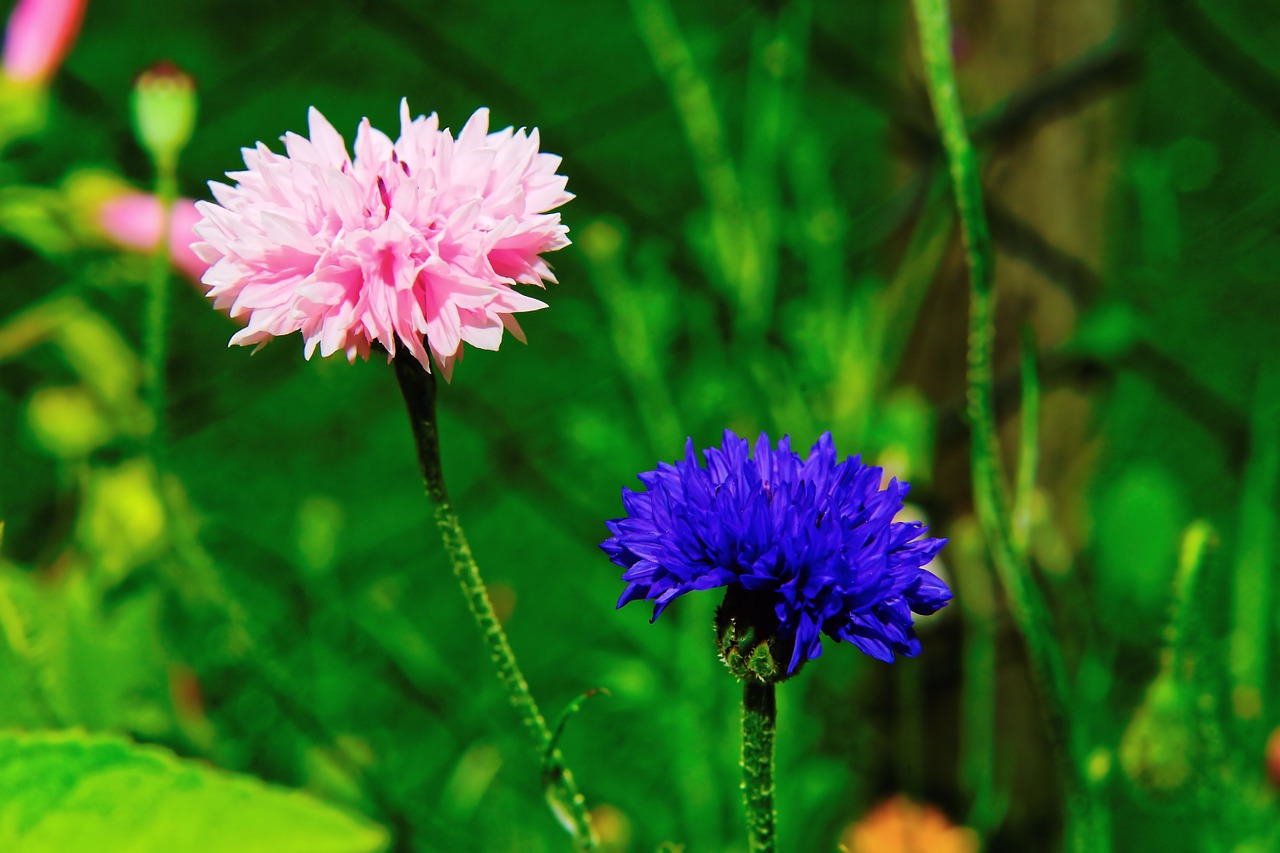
747	637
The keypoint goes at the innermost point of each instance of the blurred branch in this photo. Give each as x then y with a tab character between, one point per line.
1021	240
1218	415
1223	57
1115	63
914	278
908	116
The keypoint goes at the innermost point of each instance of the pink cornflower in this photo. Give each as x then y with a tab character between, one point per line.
38	36
422	236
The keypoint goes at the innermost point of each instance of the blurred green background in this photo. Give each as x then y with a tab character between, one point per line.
764	240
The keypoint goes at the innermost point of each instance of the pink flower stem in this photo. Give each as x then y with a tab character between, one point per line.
419	390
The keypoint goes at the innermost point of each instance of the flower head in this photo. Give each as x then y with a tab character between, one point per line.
426	235
898	825
38	36
804	547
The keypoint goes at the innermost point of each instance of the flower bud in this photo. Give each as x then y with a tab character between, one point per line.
38	37
135	220
1158	750
746	634
101	204
164	112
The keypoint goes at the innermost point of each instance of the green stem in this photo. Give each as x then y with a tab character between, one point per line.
759	722
156	330
419	389
990	491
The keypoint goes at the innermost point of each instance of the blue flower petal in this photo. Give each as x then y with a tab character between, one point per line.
816	534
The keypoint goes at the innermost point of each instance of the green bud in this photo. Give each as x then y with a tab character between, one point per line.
164	112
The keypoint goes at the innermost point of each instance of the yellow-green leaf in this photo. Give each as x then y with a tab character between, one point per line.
64	791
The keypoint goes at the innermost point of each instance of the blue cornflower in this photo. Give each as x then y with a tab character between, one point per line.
804	547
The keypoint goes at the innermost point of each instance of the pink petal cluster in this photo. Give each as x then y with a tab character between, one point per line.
39	35
423	236
135	220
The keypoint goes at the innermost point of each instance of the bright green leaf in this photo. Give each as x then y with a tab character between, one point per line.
71	791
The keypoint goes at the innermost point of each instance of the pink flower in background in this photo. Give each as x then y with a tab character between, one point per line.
134	221
422	236
38	37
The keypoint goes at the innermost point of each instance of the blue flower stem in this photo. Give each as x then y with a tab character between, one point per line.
990	491
759	723
419	390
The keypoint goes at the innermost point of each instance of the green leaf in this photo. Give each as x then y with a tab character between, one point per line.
75	791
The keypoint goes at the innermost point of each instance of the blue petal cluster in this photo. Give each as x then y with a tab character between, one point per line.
816	534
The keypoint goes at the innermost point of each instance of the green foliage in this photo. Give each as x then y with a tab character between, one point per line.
764	239
69	791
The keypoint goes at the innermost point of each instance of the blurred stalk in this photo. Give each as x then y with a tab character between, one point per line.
640	343
779	47
741	246
14	629
991	497
1028	446
639	346
901	301
977	600
418	386
1255	563
1196	658
156	328
734	242
1165	748
759	724
701	778
909	757
164	111
164	114
1186	632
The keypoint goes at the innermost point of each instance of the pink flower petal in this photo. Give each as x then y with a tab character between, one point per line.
39	36
415	242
